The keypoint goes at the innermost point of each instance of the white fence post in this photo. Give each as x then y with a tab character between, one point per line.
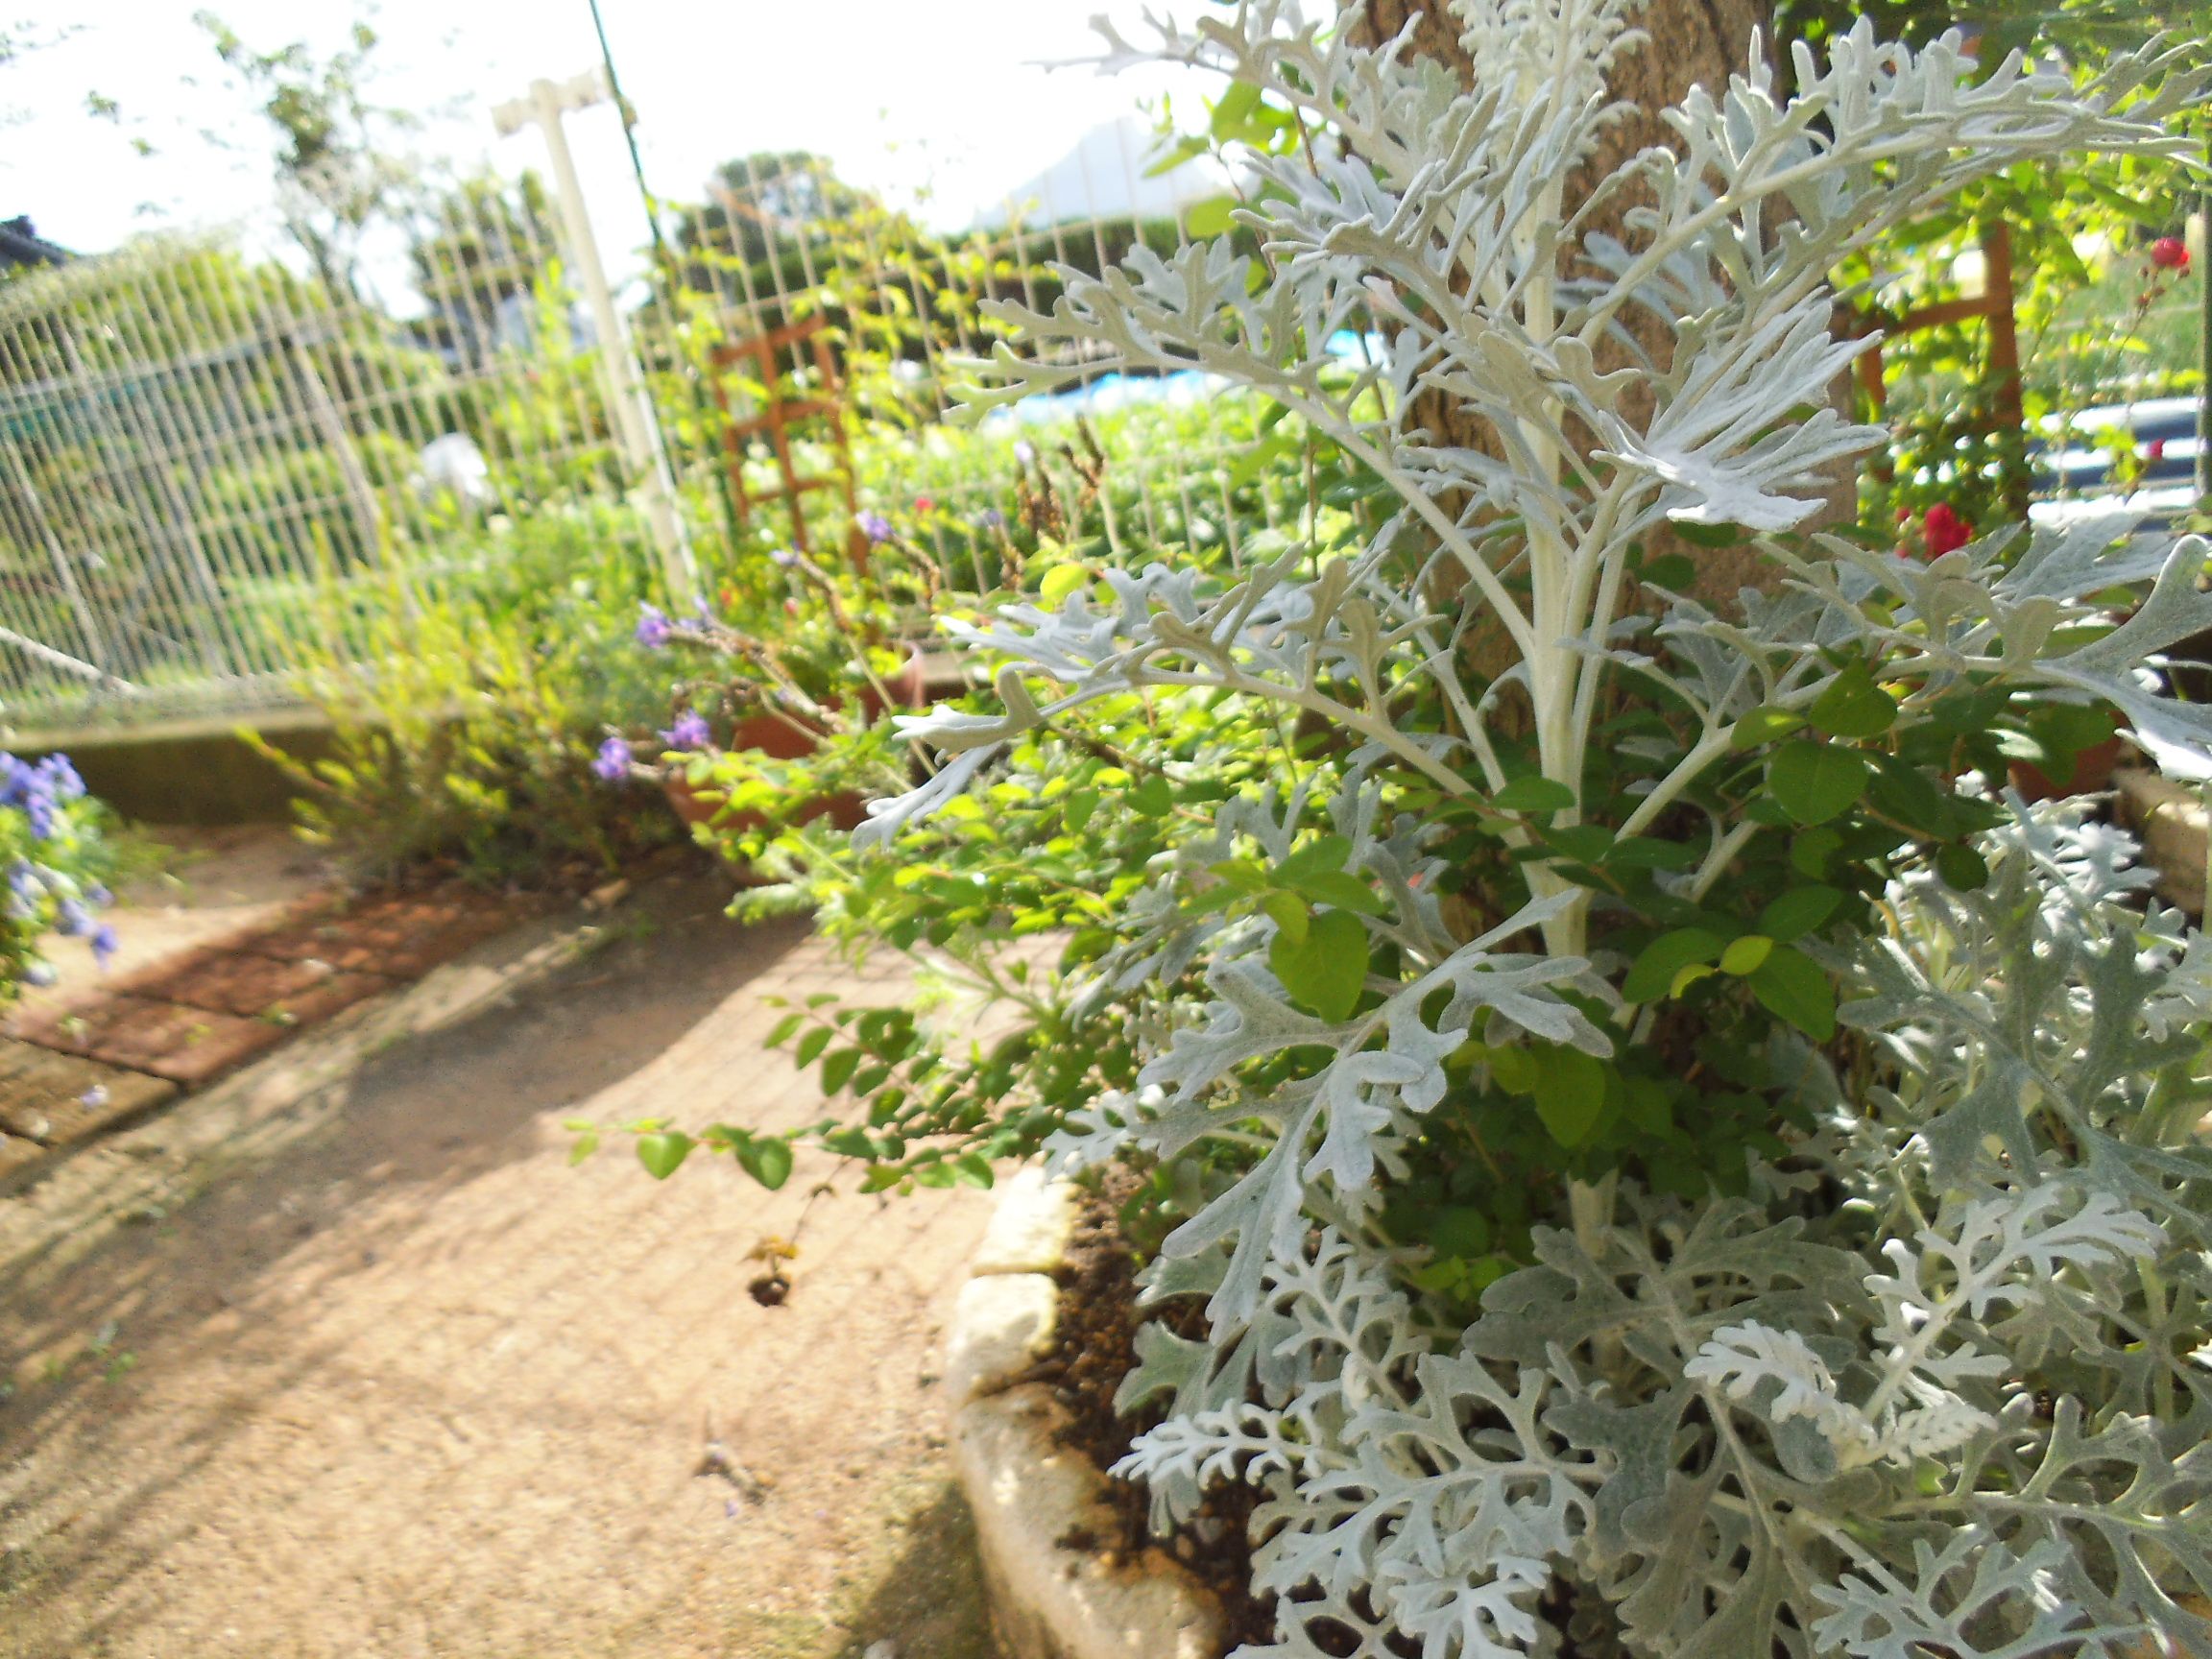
634	420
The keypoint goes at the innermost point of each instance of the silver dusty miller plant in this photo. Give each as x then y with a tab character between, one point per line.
1934	1379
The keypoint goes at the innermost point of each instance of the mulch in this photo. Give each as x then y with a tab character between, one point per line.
1095	1348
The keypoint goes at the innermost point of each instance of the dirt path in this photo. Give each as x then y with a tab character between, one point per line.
415	1387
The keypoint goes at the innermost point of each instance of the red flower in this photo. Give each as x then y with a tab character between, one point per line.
1944	530
2169	253
2154	450
924	503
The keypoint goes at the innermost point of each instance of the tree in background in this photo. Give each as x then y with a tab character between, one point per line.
336	170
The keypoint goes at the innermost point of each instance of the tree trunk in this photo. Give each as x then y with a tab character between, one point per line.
1690	42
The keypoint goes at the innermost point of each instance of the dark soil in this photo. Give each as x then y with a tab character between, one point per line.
1098	1321
1096	1348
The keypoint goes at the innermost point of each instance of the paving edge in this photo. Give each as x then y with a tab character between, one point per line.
140	1172
1049	1599
2170	819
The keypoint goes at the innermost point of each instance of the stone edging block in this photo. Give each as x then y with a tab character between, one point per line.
2170	818
1040	1509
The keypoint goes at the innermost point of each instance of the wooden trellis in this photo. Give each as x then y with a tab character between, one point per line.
1994	306
822	408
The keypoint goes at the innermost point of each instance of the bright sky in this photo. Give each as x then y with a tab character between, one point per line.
903	95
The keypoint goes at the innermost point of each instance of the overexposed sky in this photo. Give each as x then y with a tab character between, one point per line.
907	96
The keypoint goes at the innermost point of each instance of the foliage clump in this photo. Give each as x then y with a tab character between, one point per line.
1651	1120
52	859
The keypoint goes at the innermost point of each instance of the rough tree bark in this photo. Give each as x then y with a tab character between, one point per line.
1692	43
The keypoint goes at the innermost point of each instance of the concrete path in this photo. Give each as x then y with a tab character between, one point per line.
402	1383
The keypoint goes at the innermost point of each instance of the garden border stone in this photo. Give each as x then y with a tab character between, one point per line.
2170	819
1036	1501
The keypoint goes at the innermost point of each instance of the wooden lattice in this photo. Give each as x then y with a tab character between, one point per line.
1995	306
818	411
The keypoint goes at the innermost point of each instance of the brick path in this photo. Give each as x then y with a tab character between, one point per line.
77	1069
382	1377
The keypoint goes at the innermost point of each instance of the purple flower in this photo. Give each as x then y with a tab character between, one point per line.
784	557
105	944
993	518
39	974
651	626
614	762
23	879
59	775
1025	452
72	921
39	811
98	895
875	526
689	731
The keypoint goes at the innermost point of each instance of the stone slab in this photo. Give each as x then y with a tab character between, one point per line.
18	1156
254	987
167	1039
403	937
1033	1500
1003	1324
1030	1228
56	1099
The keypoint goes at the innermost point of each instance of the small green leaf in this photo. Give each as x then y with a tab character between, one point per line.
1585	843
1291	914
973	1169
1240	874
1513	1070
1324	852
1797	912
1340	888
784	1027
1210	217
811	1045
1152	797
837	1069
1743	955
1647	853
1325	971
1654	971
1688	976
664	1154
1533	794
1081	804
1646	1104
767	1161
1570	1092
1810	853
1458	1230
1962	869
586	1145
1708	534
1814	782
1061	581
1853	705
1791	986
1763	724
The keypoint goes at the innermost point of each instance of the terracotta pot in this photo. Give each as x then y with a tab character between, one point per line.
2093	770
781	739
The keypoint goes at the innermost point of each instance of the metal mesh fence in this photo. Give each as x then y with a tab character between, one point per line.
210	464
